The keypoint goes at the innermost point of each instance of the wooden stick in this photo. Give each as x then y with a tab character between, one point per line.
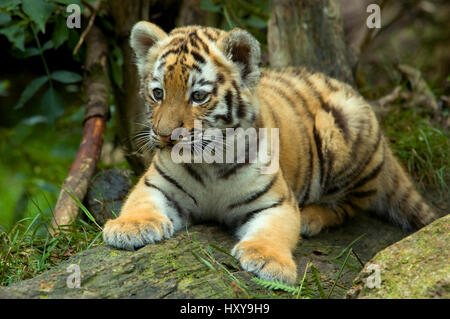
96	84
94	11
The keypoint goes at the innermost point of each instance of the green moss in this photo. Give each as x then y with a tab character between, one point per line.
415	267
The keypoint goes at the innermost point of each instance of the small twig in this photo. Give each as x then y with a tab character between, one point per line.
94	11
87	4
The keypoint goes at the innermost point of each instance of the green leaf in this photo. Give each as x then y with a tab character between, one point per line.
60	32
30	90
68	2
256	22
39	11
33	51
53	104
15	34
67	77
4	18
208	5
9	3
33	120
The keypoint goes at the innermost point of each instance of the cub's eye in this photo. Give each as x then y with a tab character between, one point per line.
158	94
199	96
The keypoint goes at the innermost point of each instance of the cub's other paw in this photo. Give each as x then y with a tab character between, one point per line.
266	261
132	232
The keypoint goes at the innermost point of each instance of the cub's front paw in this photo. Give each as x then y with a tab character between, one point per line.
266	261
132	232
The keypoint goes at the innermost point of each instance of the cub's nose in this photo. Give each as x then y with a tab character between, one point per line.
165	138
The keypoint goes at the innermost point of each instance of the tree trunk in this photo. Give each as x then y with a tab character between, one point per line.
309	33
130	107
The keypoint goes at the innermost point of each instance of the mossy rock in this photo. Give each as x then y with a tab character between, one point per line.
416	267
170	269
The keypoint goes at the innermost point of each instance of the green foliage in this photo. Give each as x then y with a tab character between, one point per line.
25	23
422	146
302	291
28	250
250	15
38	11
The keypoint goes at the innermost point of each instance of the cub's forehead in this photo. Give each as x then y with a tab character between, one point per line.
185	58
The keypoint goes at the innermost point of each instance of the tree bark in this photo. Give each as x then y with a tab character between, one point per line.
309	33
96	84
130	107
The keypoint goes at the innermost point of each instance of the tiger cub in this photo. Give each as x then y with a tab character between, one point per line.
333	158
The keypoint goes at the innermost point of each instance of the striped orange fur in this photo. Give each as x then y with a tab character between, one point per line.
334	160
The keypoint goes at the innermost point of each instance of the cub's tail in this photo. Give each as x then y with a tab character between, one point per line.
399	201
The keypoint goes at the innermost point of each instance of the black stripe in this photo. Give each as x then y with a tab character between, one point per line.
204	82
330	85
363	193
347	175
228	118
390	195
208	35
287	99
196	67
339	119
171	201
171	51
318	143
241	106
330	161
312	87
198	57
348	167
353	206
226	174
254	196
252	213
373	174
177	40
307	183
174	182
193	173
220	78
289	84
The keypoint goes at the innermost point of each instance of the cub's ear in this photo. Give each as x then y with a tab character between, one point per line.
244	50
144	35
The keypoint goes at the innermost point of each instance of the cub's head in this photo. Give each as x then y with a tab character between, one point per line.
196	73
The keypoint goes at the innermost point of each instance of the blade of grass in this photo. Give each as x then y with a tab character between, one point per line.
316	277
83	208
303	280
340	273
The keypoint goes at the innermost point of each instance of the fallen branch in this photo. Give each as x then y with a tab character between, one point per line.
416	94
96	84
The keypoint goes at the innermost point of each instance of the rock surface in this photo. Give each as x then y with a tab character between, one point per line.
416	267
174	268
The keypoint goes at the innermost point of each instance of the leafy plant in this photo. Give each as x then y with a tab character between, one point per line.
250	15
25	23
